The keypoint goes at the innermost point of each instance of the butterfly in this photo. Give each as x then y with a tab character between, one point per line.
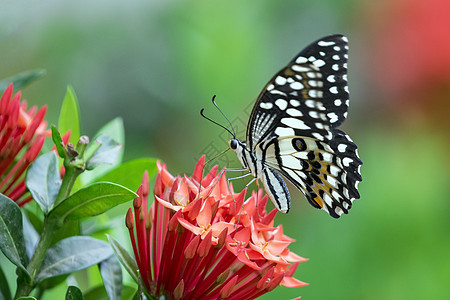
292	131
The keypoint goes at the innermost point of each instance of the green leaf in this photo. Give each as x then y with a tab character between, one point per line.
69	116
99	293
12	242
22	79
125	258
112	277
130	173
74	293
91	201
106	154
50	283
26	298
34	215
57	140
127	292
31	236
43	180
73	254
116	131
5	292
69	228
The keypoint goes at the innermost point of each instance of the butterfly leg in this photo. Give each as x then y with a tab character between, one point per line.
242	176
236	170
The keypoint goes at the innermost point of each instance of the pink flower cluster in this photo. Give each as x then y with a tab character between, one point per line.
199	240
22	135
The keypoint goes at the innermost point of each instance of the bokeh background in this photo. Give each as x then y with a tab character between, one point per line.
157	63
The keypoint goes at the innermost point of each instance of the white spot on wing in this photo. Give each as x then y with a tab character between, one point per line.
298	68
266	105
314	114
301	59
302	155
317	136
332	181
281	103
333	90
294	112
310	103
327	156
327	199
296	86
277	92
319	63
294	103
291	162
280	80
334	170
283	131
347	161
295	123
333	117
342	147
324	43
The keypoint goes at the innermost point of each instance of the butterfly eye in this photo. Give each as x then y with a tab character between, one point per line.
233	144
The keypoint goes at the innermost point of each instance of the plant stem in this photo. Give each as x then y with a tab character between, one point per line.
24	287
45	241
69	179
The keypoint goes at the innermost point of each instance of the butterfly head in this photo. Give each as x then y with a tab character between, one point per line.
239	147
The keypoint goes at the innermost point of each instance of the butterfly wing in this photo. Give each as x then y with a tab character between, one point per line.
292	128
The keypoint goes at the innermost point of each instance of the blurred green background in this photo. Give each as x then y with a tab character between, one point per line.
157	63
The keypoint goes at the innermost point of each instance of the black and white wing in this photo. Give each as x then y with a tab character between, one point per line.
294	126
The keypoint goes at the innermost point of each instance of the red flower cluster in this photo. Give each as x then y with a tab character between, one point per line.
198	240
22	135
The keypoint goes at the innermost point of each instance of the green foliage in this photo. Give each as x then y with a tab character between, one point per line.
57	140
12	242
74	293
112	277
22	79
30	234
112	131
69	116
130	173
5	293
125	258
99	293
91	201
43	180
73	254
107	152
60	250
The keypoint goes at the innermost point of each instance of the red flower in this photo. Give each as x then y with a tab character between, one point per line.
22	135
198	240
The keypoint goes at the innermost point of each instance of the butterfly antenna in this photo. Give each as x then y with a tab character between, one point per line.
203	115
214	102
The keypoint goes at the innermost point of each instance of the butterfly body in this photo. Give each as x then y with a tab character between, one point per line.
292	131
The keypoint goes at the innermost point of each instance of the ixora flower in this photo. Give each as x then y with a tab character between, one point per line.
198	240
22	135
